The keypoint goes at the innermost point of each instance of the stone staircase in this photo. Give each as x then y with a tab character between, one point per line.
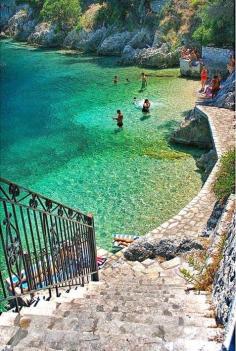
135	307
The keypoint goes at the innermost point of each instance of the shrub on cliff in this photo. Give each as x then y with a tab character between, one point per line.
216	23
94	16
225	183
63	12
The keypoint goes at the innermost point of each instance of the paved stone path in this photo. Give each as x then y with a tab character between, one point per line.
191	220
135	307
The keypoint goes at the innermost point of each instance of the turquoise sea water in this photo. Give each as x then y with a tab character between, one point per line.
58	137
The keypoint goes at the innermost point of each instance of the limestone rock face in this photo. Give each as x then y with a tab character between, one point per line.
151	57
85	40
226	96
46	35
129	56
114	44
225	280
8	8
160	57
76	39
206	162
145	248
141	39
157	40
22	24
193	131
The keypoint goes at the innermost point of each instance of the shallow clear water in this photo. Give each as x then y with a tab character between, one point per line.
58	137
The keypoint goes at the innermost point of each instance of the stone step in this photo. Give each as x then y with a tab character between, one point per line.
161	295
6	333
152	318
71	340
8	319
167	332
129	287
129	343
87	322
117	306
165	303
43	308
193	345
172	280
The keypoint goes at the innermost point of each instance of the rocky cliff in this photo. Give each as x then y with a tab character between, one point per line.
194	130
144	45
226	96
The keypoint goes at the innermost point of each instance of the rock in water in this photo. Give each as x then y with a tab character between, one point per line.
193	131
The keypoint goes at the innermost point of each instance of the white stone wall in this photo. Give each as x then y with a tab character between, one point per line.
187	70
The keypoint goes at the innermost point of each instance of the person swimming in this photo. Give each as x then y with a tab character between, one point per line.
115	80
134	100
127	80
119	119
146	106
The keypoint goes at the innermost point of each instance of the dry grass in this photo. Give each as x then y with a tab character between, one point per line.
205	266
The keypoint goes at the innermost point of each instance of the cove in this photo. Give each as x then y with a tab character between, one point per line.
58	137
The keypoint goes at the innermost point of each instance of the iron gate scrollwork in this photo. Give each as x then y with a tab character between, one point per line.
43	244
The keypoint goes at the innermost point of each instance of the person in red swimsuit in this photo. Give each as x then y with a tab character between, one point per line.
204	76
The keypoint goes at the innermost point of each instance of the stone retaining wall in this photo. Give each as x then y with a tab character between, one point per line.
224	286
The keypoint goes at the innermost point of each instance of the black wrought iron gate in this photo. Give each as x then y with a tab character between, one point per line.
43	244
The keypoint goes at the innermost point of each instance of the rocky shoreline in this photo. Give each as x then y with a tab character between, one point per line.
141	46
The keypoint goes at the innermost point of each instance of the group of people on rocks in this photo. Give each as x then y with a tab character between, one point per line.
211	89
146	104
192	55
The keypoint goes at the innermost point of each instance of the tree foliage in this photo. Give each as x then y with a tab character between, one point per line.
63	12
216	23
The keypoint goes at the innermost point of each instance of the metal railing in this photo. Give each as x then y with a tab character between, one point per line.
43	244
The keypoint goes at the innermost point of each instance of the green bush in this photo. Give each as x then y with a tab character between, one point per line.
64	12
225	183
216	23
